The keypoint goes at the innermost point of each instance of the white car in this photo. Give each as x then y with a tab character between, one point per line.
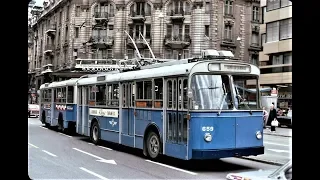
282	173
33	110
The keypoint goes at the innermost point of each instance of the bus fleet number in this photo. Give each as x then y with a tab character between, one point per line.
207	128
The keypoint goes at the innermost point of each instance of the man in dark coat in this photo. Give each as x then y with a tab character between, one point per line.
272	115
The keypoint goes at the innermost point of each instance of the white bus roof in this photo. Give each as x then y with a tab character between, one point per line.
179	69
151	72
69	82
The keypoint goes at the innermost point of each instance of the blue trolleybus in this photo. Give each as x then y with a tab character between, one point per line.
195	108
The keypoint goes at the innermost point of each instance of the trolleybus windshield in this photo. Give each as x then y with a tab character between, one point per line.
211	92
246	88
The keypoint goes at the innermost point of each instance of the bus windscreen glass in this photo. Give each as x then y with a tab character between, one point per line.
211	92
246	92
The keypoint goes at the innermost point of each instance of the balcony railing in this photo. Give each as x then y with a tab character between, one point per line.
181	12
137	14
101	15
180	37
48	49
177	41
51	30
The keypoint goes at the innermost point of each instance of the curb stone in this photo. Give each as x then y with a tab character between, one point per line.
273	134
263	161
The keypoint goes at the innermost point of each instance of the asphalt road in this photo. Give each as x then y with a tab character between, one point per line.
278	149
53	155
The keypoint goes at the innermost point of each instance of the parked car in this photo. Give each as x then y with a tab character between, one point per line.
33	110
283	173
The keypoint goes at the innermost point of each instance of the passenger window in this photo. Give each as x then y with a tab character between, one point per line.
185	94
158	93
92	96
113	95
144	98
101	95
169	92
70	94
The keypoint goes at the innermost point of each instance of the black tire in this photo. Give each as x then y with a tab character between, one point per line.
95	133
153	145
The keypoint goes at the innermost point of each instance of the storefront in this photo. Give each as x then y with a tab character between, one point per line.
285	96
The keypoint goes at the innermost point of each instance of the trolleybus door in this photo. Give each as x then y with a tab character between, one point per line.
176	120
85	109
127	117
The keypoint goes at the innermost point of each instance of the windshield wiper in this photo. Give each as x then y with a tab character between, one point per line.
242	101
223	99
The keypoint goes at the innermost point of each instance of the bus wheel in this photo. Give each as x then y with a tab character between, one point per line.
95	133
153	145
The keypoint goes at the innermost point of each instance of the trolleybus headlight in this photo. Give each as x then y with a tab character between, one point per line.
207	137
258	135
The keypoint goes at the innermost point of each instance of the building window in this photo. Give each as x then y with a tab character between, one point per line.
273	4
263	38
227	32
255	39
60	18
130	53
206	30
255	13
254	59
148	31
67	13
185	53
228	7
78	10
273	31
140	8
109	54
66	34
168	53
146	53
264	9
287	58
77	32
207	8
285	3
286	29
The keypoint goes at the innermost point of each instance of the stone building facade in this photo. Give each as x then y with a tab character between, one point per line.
67	30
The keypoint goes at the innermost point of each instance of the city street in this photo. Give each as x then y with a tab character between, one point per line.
278	149
53	155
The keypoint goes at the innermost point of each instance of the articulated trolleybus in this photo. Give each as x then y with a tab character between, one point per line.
199	108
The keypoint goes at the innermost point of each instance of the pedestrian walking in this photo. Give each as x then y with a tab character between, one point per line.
265	115
272	118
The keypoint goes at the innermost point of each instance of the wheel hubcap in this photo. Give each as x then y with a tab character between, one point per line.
154	145
95	133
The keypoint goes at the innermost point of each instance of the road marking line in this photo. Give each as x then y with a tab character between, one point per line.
49	153
102	147
279	150
92	173
43	127
88	153
171	167
105	148
266	142
66	135
33	145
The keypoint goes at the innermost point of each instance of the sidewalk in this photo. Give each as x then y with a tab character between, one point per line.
284	132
